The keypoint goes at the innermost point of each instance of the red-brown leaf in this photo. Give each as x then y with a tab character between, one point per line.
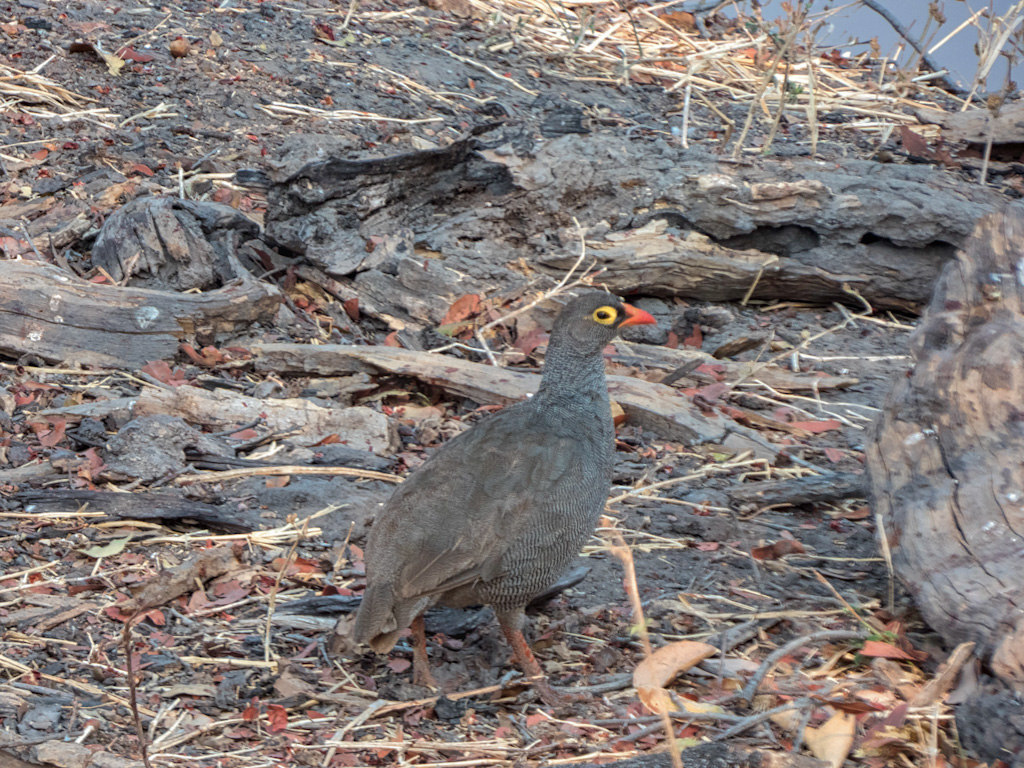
884	650
351	307
834	455
914	143
463	308
277	718
816	426
130	54
399	665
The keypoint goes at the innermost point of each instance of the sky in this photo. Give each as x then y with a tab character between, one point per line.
851	20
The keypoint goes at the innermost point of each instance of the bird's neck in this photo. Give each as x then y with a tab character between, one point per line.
569	374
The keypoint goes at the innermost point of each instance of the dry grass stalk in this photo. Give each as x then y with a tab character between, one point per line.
234	474
992	42
621	550
281	108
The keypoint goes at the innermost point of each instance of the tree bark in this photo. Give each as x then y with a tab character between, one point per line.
945	459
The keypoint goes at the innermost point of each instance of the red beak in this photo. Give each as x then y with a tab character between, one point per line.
636	316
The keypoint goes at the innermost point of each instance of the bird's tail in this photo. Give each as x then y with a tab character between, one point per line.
376	623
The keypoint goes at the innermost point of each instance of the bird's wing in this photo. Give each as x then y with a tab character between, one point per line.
450	523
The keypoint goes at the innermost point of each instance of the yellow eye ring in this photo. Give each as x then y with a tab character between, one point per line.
605	315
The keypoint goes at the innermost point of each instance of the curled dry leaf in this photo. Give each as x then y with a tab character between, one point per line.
618	415
655	672
833	741
462	309
110	549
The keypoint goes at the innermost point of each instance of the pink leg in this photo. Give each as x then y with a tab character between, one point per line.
526	660
420	662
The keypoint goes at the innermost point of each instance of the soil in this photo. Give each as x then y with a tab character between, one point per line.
207	112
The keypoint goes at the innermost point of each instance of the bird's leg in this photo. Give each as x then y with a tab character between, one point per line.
511	627
420	662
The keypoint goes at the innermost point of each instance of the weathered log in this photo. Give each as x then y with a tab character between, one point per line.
660	408
172	243
163	506
660	219
944	459
358	427
801	490
668	359
46	312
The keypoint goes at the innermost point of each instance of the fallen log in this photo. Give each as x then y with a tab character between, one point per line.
58	317
358	427
944	459
660	220
160	506
657	407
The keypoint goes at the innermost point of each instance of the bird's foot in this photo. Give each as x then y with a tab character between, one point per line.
421	676
420	661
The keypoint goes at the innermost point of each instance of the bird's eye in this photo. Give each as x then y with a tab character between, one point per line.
605	315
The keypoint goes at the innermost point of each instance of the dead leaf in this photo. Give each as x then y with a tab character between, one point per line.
618	415
277	718
654	672
529	341
777	550
696	339
680	19
860	513
161	371
462	309
834	455
914	143
86	28
884	650
130	54
816	426
115	547
399	665
833	740
351	307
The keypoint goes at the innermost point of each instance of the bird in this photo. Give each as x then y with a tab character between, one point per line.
499	512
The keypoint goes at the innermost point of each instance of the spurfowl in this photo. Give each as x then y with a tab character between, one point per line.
498	513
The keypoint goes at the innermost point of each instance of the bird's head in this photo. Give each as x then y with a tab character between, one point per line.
589	322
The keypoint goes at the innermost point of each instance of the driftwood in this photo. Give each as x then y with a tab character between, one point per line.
357	427
801	490
162	506
411	233
170	583
171	243
49	313
688	360
660	408
945	458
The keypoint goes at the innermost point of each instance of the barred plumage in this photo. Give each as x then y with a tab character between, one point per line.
498	513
